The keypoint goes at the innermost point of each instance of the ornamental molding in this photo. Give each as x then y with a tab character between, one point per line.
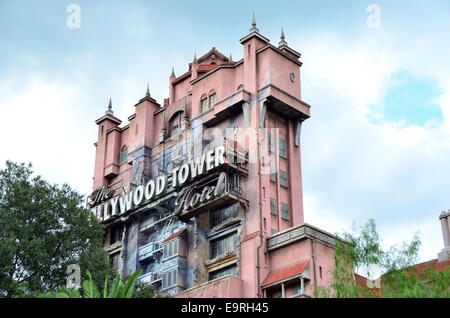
301	232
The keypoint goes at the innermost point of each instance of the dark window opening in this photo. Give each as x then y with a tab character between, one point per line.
223	245
229	270
284	211
219	216
116	234
123	155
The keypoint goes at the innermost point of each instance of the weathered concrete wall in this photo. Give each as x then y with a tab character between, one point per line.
224	287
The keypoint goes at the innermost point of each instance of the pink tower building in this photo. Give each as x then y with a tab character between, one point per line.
204	192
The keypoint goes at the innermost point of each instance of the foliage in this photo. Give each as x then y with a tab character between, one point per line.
43	229
361	252
118	289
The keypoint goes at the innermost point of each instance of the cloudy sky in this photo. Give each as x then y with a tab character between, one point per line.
377	75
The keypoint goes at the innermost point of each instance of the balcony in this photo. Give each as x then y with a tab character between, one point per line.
111	171
223	287
150	278
284	103
149	252
226	107
151	224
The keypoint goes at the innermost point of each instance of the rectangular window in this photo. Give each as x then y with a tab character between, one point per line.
116	234
174	127
212	100
204	105
219	216
114	260
273	174
282	150
170	278
270	142
171	248
223	245
229	270
283	179
273	206
123	155
284	211
298	289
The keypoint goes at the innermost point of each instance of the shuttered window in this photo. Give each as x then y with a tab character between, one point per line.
283	179
171	248
229	270
223	246
282	148
284	211
273	206
273	174
123	155
271	145
212	100
170	278
204	103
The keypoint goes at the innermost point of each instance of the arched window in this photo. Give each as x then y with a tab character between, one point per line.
174	124
123	154
212	98
203	103
240	87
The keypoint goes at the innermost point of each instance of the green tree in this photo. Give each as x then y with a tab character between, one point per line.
360	252
43	229
118	289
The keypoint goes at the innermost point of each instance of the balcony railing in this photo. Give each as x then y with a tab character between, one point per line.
149	251
150	278
150	224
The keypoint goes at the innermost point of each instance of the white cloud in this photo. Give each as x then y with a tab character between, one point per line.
43	124
354	169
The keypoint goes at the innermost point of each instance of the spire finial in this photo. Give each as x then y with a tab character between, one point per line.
254	28
109	111
195	57
231	59
148	91
282	38
173	72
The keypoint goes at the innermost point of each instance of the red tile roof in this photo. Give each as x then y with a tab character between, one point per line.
285	272
206	67
210	52
361	280
248	237
181	77
174	235
418	269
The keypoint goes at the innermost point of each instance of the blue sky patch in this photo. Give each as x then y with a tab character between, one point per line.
408	99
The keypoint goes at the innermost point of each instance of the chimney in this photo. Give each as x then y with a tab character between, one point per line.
444	217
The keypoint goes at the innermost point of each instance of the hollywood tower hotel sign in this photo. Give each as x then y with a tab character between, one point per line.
204	192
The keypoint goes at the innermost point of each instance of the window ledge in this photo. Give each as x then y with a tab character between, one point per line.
225	259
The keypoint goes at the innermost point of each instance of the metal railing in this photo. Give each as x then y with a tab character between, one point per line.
150	278
149	250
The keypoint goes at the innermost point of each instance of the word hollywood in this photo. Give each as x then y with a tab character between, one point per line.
116	206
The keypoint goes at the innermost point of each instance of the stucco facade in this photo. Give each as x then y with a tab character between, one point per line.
247	240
